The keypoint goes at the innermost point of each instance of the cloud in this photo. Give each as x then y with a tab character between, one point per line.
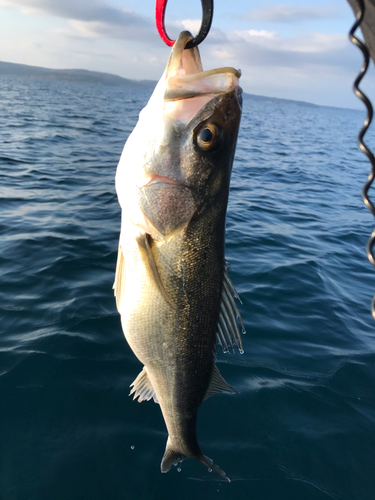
97	35
96	19
91	17
268	48
101	29
83	10
192	25
290	14
313	67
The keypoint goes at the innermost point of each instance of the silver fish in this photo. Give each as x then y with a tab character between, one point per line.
172	287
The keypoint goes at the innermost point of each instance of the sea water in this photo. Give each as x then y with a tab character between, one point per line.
302	425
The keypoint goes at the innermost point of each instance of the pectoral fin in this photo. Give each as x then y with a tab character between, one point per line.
145	248
119	284
142	388
228	333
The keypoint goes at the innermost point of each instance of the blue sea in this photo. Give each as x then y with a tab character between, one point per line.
303	424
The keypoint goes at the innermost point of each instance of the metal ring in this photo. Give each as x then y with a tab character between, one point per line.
207	15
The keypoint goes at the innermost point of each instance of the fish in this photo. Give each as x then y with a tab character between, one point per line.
171	286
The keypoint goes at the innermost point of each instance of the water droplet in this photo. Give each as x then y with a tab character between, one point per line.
209	470
132	447
178	469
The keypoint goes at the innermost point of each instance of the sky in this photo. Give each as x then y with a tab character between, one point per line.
295	49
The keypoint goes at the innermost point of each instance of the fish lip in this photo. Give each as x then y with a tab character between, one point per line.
161	179
194	71
176	56
185	78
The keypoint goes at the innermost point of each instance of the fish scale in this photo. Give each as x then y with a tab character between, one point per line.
171	283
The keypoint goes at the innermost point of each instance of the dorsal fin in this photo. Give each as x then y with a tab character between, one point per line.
228	333
142	388
119	284
218	384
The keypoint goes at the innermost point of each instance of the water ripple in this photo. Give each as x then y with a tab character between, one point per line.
303	423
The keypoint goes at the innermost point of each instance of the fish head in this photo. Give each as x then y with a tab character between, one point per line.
180	154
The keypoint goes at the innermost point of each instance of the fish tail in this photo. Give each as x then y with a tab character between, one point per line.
171	457
207	461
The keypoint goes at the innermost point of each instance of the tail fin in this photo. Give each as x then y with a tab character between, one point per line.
207	461
172	457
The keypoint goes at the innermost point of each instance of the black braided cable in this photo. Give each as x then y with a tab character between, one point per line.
362	146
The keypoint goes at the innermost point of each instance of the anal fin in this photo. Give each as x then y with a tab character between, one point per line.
142	388
218	384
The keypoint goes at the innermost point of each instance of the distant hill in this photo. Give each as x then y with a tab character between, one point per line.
72	75
98	78
278	99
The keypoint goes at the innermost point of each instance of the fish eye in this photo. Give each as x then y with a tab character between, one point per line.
208	136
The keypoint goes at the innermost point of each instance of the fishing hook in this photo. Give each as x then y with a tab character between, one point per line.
362	146
207	15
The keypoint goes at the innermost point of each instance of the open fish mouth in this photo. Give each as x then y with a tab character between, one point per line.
186	79
187	87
